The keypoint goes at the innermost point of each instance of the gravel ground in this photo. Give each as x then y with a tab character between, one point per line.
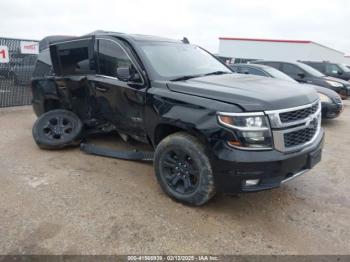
67	202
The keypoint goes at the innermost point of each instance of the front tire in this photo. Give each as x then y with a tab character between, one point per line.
183	169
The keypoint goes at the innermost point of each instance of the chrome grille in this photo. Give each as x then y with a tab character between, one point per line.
301	136
295	128
291	116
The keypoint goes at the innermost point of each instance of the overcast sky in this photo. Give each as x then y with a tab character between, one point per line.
202	21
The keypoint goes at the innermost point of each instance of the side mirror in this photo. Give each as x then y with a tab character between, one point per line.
301	75
339	73
123	73
128	74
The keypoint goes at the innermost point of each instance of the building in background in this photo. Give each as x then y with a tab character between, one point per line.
247	49
347	59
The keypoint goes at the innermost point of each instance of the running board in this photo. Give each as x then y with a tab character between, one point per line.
107	152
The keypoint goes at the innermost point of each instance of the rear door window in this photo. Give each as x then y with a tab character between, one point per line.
73	57
318	66
292	70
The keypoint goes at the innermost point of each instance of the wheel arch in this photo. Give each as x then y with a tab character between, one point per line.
165	129
51	103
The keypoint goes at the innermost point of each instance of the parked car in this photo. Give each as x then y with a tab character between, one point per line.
332	104
306	74
212	130
331	69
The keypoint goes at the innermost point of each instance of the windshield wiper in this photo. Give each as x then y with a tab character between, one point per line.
185	77
218	73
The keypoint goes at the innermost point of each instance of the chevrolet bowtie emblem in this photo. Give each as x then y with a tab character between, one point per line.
312	122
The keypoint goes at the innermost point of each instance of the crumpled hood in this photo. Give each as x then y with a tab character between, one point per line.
253	93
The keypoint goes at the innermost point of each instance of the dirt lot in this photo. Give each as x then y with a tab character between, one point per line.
67	202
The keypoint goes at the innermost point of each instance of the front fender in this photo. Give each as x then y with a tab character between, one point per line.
186	112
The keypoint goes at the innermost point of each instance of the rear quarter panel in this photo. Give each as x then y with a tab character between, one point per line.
43	89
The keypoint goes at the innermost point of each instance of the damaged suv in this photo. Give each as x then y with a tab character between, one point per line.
212	130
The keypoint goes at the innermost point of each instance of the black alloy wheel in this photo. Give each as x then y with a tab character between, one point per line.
57	129
183	169
181	172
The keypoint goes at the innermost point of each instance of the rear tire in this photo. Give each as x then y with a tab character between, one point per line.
183	169
57	129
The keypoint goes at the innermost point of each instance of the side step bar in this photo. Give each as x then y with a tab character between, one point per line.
107	152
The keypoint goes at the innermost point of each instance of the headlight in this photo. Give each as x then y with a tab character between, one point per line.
324	98
251	130
335	84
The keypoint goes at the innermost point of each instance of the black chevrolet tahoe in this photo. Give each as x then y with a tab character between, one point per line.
212	130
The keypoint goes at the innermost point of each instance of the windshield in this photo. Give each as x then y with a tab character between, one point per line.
310	70
173	60
279	75
344	68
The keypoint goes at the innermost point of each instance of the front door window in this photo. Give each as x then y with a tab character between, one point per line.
111	56
332	69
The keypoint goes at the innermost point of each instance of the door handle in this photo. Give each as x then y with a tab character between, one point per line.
101	89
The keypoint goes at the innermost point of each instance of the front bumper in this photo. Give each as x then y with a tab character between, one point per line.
344	93
331	110
232	167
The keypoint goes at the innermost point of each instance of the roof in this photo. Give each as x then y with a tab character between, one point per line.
45	42
253	65
266	40
277	61
138	37
135	37
278	41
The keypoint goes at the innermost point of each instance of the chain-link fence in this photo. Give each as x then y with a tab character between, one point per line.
17	60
